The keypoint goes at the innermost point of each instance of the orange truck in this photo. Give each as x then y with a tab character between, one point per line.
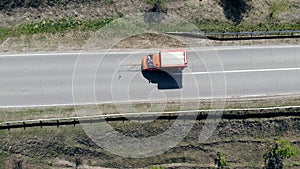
165	59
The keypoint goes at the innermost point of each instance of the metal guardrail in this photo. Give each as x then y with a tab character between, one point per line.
293	111
240	35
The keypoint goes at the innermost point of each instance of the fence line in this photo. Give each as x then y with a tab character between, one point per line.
286	111
240	35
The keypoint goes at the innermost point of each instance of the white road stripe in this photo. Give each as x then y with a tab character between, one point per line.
241	71
142	51
145	101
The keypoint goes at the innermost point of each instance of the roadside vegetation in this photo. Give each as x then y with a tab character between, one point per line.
236	143
19	114
278	152
220	161
228	27
70	24
52	26
241	144
237	16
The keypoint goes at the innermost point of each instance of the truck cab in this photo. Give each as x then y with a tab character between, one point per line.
149	62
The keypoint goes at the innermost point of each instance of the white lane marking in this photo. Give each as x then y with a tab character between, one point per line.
135	51
37	54
72	54
144	101
241	71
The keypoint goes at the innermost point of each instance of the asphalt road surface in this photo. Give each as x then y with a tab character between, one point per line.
79	78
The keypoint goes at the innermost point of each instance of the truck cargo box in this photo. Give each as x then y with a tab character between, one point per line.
173	58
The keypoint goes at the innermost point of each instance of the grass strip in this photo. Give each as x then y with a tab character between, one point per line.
68	24
243	27
16	114
53	26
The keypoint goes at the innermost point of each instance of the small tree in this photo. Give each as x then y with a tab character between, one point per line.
77	163
220	160
282	149
277	7
157	5
18	164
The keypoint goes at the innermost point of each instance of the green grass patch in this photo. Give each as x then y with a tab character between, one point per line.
20	114
157	167
231	27
277	7
4	33
36	113
53	26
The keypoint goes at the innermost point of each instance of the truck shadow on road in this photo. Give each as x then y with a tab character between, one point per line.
167	79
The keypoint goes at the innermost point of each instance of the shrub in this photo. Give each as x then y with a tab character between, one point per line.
220	160
280	150
157	5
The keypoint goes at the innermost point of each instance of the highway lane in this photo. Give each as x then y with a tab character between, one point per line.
48	79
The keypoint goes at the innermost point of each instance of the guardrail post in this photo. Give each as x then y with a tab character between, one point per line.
8	128
24	125
57	123
41	124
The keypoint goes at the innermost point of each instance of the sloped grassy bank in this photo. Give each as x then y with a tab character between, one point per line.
35	17
242	142
70	24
